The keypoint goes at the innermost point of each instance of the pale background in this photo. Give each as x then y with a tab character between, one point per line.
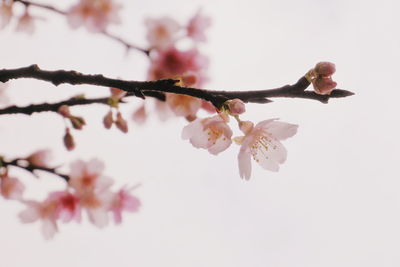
335	202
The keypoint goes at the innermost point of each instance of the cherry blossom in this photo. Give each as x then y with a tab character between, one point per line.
123	200
197	25
213	134
262	142
92	188
26	23
161	32
96	15
10	187
6	13
68	206
140	115
46	212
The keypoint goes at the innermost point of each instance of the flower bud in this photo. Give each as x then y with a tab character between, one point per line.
108	120
325	68
64	111
236	106
121	123
77	122
69	140
140	115
324	85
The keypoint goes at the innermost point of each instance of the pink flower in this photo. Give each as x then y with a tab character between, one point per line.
140	115
68	139
211	133
171	62
45	211
96	15
262	142
236	106
68	207
123	200
6	13
11	188
161	32
321	78
197	25
92	189
183	105
26	23
40	158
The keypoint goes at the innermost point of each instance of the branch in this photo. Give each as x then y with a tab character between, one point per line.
32	168
127	45
154	88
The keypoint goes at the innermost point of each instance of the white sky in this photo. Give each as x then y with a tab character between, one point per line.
336	200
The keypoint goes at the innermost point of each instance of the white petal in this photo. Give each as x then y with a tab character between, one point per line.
281	130
191	129
244	159
49	228
98	217
220	145
29	215
95	166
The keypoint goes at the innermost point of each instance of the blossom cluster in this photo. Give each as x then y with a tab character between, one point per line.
87	190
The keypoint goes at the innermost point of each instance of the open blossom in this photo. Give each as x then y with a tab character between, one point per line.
92	188
262	142
26	23
96	15
6	13
46	212
321	78
11	188
213	134
197	25
123	200
161	32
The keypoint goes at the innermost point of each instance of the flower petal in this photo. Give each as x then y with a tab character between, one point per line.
244	159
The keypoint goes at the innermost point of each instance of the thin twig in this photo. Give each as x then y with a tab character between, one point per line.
113	37
32	168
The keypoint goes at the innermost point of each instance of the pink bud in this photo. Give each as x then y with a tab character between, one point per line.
121	123
324	85
108	120
69	140
246	126
77	122
40	158
64	111
325	68
236	106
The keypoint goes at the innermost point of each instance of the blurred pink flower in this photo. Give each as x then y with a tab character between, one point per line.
161	32
26	23
11	188
40	158
45	211
140	115
96	15
262	142
183	105
213	134
197	25
68	206
6	13
123	200
92	188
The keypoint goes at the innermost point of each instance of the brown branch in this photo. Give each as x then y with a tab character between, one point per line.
19	163
154	88
126	44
